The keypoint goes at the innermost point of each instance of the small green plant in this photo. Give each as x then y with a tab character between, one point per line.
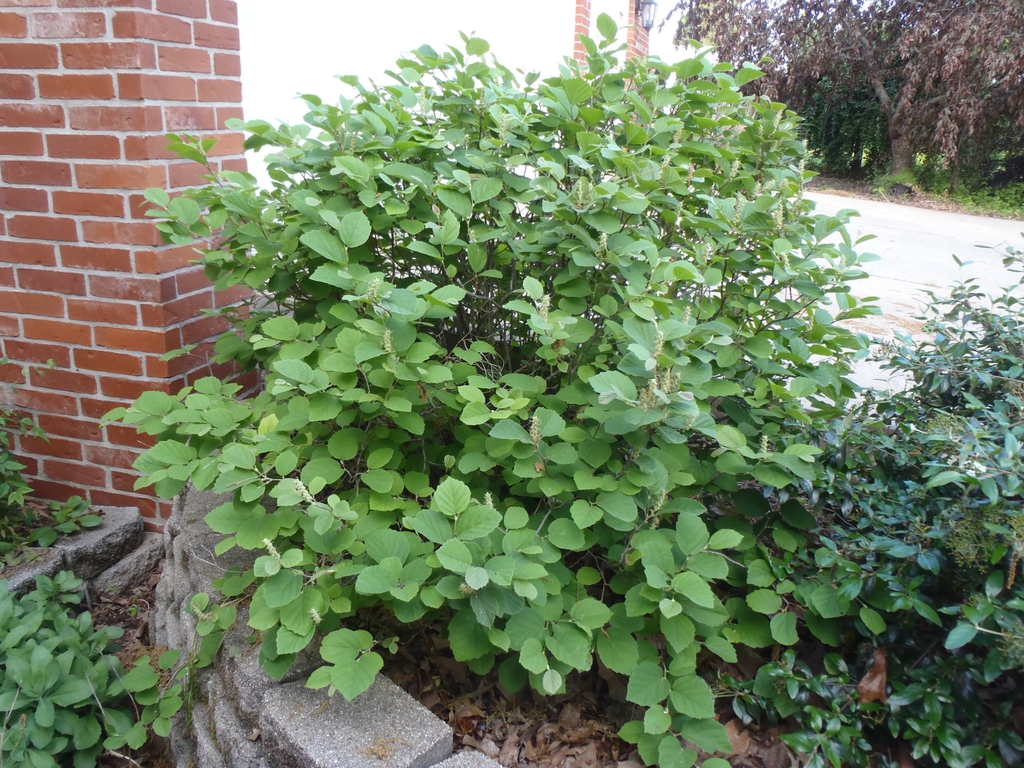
61	686
886	182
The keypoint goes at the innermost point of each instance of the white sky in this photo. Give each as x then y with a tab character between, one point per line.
301	49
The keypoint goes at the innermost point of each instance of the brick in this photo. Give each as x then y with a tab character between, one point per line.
52	491
12	373
17	87
106	456
82	474
130	388
146	4
119	176
98	409
220	90
28	143
65	427
66	381
7	281
137	55
203	328
132	288
25	3
195	9
55	330
228	64
145	148
28	56
88	204
120	232
187	174
31	116
148	507
133	85
105	259
43	228
216	36
69	86
119	435
69	24
135	118
13	25
62	449
226	113
232	295
51	281
22	303
92	311
38	172
174	59
108	362
24	199
151	26
28	253
84	146
191	281
34	352
224	10
164	260
172	312
113	337
190	118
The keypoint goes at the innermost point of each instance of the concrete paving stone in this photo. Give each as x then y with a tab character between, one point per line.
302	728
134	569
469	760
90	552
22	578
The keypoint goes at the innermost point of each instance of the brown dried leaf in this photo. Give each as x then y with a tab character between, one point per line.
872	686
739	737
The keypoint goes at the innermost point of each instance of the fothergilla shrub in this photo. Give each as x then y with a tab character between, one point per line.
516	339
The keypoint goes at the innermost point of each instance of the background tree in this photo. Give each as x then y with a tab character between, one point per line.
946	74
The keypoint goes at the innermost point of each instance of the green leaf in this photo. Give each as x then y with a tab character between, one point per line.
455	556
872	620
484	189
725	539
564	534
730	437
432	525
707	734
618	649
355	229
693	587
281	328
765	601
693	697
783	628
281	588
476	522
141	677
607	27
590	613
647	684
452	497
612	385
826	602
326	244
380	578
960	635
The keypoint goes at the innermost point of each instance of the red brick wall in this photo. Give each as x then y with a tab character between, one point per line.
88	88
637	39
582	27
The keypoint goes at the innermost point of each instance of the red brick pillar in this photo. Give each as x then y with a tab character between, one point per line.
637	40
88	88
582	27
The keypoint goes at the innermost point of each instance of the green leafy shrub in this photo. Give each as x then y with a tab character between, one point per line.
61	686
923	489
529	353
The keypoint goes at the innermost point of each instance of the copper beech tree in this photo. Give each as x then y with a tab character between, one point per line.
945	73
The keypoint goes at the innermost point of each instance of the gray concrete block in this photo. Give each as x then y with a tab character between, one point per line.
302	728
134	569
22	578
469	760
90	552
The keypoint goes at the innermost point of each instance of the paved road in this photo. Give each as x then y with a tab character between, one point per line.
916	246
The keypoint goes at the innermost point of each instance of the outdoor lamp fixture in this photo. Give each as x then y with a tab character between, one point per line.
646	10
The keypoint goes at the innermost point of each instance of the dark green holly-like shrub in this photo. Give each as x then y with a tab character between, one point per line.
924	496
517	340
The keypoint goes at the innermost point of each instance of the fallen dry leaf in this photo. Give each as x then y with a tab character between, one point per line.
739	737
872	686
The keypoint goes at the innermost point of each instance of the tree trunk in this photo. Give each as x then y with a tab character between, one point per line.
902	155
